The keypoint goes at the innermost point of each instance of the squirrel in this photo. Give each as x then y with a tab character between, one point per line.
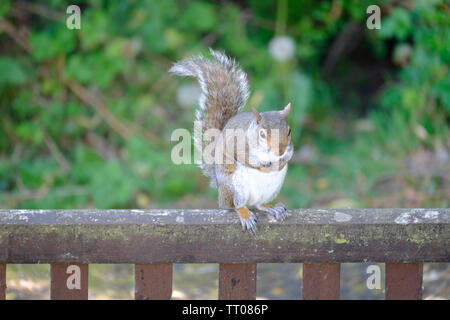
252	174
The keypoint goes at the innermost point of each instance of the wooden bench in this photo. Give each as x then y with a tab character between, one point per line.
153	240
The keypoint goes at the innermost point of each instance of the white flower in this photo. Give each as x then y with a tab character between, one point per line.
282	48
402	54
188	95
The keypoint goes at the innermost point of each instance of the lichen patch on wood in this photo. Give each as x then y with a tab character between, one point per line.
182	236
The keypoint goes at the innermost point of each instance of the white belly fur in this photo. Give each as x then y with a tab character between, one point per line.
259	187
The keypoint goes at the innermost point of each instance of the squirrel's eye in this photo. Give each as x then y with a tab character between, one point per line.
289	132
262	134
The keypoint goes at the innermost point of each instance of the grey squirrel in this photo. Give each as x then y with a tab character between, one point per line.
252	173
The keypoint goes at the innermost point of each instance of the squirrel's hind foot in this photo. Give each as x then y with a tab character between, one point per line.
278	210
248	220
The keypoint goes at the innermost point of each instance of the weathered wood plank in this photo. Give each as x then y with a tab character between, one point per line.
2	281
404	281
237	281
153	281
69	281
184	236
321	281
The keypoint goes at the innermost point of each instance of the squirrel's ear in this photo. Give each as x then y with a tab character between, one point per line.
286	110
257	115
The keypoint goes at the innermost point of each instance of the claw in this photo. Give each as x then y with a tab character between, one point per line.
248	220
278	211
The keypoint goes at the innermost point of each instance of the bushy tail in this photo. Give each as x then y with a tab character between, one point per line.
224	91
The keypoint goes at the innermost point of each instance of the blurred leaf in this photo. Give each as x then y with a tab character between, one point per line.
111	185
11	72
49	43
34	174
5	7
199	16
442	90
301	92
30	132
398	24
95	28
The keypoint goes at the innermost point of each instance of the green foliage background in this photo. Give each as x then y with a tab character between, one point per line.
86	115
360	118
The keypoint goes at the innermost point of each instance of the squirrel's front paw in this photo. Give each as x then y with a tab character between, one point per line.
248	220
278	210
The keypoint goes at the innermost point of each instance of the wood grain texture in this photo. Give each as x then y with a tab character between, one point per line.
2	281
63	285
321	281
215	236
404	281
237	281
153	281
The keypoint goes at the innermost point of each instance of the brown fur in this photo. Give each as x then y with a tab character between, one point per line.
273	120
224	92
244	213
225	196
223	100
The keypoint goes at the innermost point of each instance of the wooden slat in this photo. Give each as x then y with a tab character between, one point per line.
321	281
404	281
153	281
2	281
69	281
215	236
237	281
